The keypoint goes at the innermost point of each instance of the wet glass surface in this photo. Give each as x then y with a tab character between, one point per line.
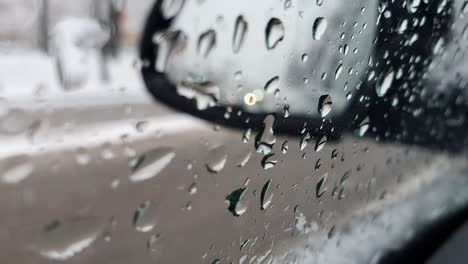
208	131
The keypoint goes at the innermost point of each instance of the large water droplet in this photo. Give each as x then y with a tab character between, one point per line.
63	240
319	28
265	196
384	83
274	33
217	159
325	105
240	32
151	164
206	42
144	217
234	199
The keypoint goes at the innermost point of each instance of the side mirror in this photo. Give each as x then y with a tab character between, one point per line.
299	61
325	67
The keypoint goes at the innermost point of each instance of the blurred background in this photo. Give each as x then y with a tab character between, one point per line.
66	40
19	28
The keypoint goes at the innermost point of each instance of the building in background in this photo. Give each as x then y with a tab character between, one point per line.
27	23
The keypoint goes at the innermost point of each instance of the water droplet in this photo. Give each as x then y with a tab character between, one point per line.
438	47
244	160
272	85
265	197
152	242
403	26
320	144
304	140
286	110
115	183
338	71
284	147
345	177
240	32
464	8
170	8
334	154
268	162
384	84
82	156
265	139
413	5
320	188
304	57
205	93
107	153
259	95
363	127
318	164
16	169
206	42
287	4
144	217
169	42
325	105
217	159
238	75
236	207
141	126
250	99
61	240
274	33
193	189
246	135
331	232
319	28
151	164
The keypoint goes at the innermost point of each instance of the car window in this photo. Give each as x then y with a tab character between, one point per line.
217	131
